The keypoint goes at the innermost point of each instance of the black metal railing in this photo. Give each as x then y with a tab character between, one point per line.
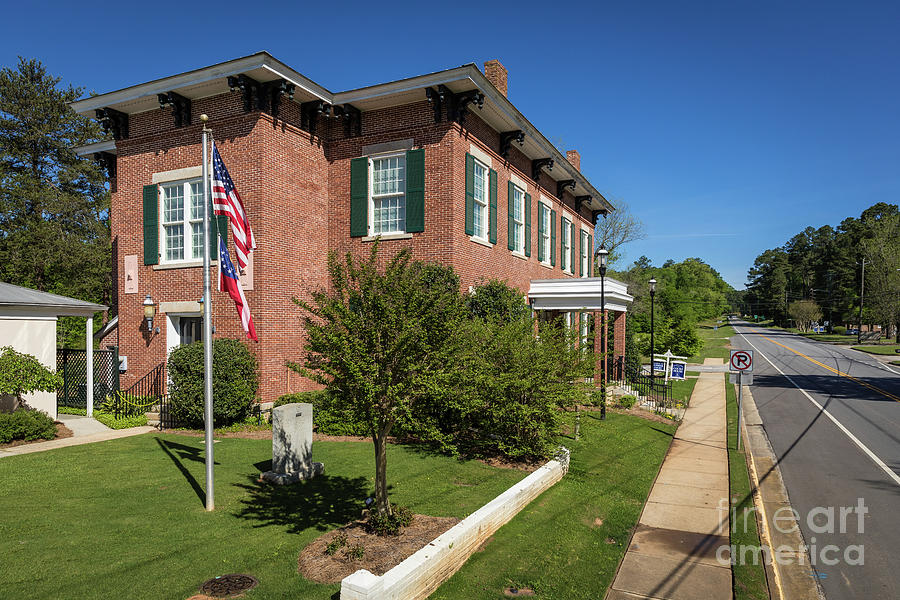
71	364
147	394
651	387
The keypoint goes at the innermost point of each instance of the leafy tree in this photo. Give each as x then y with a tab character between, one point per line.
23	373
805	313
496	300
617	229
54	206
378	338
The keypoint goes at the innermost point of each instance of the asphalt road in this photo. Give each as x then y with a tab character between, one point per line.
822	465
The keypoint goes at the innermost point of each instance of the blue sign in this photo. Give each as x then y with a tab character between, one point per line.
659	365
677	370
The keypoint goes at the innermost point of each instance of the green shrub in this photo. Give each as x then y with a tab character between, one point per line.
123	422
22	373
627	402
330	416
385	524
356	552
235	382
596	397
839	330
26	424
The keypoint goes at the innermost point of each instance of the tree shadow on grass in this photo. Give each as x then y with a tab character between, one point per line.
322	502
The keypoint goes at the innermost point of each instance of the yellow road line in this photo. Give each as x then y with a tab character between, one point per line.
837	372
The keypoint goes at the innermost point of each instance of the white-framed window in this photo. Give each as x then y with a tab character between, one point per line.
181	225
387	194
585	254
518	224
566	253
545	233
480	210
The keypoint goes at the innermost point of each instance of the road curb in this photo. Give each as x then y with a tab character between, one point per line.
797	580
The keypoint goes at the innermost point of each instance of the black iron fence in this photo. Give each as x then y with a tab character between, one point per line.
147	395
653	388
71	364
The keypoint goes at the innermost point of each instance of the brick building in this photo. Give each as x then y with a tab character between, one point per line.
442	164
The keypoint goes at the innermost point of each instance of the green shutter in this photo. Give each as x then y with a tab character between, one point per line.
573	246
580	252
359	197
151	224
562	242
415	191
527	224
510	216
590	239
492	207
552	237
218	225
470	194
540	240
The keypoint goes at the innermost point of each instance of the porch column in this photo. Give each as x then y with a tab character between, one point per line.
89	356
619	337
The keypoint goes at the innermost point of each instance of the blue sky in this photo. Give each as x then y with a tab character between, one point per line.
726	126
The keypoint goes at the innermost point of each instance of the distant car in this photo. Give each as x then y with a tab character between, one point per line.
851	332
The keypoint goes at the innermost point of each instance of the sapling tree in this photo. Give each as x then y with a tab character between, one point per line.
23	373
378	338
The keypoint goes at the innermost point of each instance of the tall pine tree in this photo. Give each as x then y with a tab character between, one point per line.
54	205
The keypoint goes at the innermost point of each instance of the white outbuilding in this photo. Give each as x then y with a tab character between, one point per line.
28	324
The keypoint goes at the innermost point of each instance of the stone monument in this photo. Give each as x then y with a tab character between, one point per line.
292	445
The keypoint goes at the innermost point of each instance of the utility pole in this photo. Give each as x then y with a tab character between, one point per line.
862	292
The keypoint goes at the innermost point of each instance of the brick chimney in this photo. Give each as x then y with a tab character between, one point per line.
496	74
574	158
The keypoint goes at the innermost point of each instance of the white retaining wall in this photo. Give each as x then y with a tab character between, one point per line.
420	574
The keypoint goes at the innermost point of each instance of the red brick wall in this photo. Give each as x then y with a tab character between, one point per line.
296	189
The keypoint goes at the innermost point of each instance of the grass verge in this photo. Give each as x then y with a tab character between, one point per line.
749	579
715	341
884	350
568	543
682	390
126	518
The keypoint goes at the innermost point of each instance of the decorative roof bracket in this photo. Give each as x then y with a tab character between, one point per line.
438	98
506	140
310	112
562	185
181	107
275	90
113	121
458	105
351	116
106	160
250	88
538	164
581	201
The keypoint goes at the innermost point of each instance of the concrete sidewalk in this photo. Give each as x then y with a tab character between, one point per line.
673	553
82	425
109	434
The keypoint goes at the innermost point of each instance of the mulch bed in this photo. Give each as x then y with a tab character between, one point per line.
61	432
381	553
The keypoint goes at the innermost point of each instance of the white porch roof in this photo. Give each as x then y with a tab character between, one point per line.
578	294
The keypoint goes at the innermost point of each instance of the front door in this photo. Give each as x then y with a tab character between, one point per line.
190	330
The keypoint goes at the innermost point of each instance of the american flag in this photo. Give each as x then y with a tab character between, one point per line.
227	201
228	280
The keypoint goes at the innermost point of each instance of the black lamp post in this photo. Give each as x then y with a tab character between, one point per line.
652	341
602	254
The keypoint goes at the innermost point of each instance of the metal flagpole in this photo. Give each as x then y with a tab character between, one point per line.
207	324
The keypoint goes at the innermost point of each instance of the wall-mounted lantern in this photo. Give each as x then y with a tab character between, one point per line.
149	313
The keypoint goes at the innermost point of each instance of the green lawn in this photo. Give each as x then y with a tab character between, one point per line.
884	349
749	579
125	518
682	390
567	544
715	342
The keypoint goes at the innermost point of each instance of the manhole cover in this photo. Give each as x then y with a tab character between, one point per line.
227	586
